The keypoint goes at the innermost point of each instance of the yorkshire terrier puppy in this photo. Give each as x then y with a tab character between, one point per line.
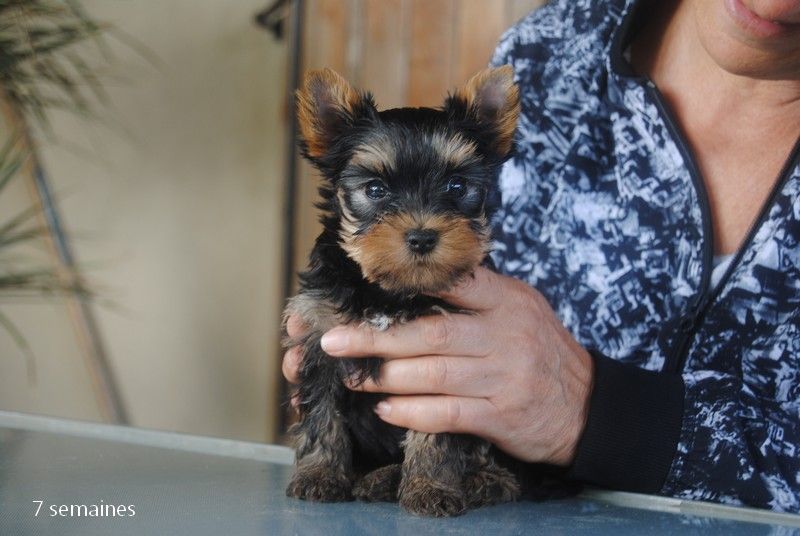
403	209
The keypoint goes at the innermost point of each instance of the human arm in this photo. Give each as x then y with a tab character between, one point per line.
509	372
703	435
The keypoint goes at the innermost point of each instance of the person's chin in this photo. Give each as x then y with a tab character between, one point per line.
754	26
743	46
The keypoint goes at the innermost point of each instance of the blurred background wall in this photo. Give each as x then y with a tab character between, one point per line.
176	211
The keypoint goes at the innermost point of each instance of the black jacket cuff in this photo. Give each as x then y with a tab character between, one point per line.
633	427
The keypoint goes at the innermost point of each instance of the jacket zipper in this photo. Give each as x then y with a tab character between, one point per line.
701	303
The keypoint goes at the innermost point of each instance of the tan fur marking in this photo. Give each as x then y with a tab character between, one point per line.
455	149
385	259
324	88
319	315
378	155
348	225
480	90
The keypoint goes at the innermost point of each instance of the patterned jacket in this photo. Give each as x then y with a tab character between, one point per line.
697	391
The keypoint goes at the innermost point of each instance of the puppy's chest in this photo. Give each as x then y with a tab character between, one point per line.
382	321
321	315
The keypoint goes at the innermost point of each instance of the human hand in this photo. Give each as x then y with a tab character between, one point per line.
510	372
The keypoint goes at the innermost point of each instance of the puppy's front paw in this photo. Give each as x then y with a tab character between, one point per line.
491	485
380	485
320	485
425	497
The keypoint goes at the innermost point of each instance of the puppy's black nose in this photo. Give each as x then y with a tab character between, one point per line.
422	241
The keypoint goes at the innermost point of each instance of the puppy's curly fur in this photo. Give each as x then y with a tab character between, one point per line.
404	215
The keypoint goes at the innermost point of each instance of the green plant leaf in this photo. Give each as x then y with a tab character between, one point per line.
38	55
22	343
10	239
21	218
8	170
5	152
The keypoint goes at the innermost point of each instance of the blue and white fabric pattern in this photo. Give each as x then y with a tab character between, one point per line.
601	209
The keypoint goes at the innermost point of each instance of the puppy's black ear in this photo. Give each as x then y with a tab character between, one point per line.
326	107
492	99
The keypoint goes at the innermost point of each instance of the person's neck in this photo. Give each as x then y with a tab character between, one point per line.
740	130
669	51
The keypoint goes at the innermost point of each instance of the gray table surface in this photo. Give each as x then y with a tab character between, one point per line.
179	484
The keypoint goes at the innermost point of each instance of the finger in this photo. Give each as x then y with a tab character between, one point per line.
452	334
295	326
433	375
291	364
478	291
438	414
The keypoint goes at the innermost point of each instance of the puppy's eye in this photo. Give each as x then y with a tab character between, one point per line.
375	190
457	186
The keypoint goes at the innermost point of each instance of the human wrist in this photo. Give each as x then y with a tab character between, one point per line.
578	382
632	428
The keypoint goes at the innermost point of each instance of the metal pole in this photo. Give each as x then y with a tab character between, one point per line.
290	194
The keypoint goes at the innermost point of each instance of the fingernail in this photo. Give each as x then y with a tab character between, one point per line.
334	341
383	408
